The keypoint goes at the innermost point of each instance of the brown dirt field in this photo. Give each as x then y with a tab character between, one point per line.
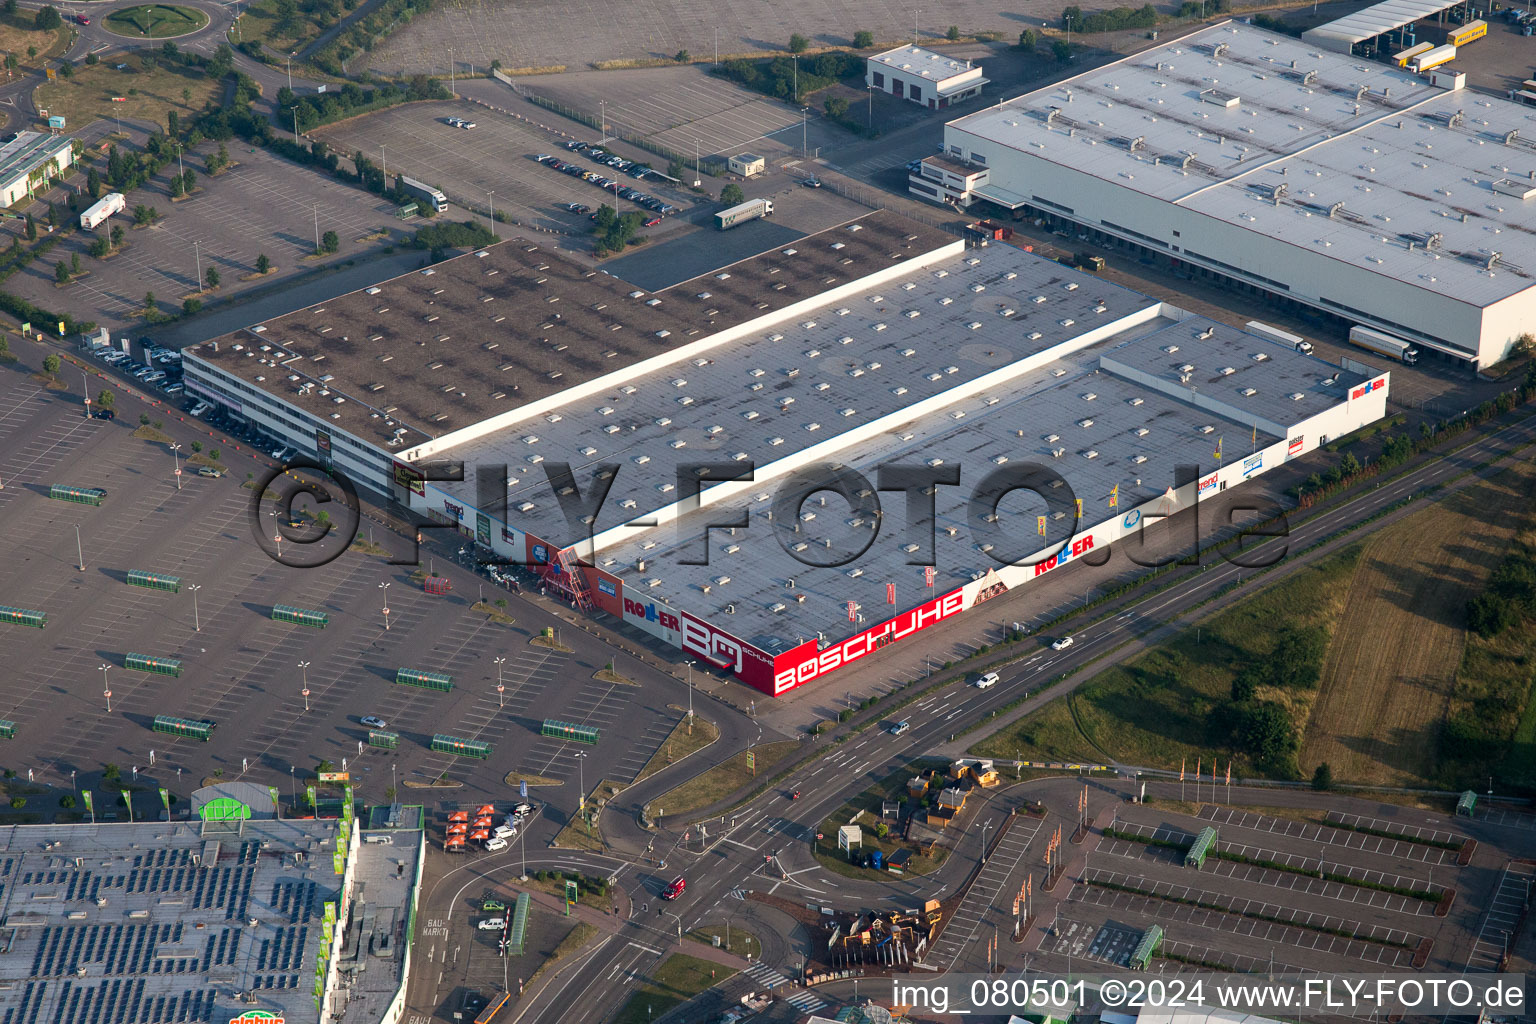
1393	659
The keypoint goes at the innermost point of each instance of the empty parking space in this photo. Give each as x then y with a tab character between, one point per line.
1510	898
993	888
1313	833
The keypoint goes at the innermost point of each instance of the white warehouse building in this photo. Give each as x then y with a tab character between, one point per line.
1310	176
926	78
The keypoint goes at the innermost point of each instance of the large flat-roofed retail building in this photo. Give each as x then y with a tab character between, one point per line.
229	914
1320	178
696	412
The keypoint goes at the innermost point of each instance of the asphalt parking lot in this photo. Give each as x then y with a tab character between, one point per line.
677	107
469	165
541	33
240	668
1240	912
263	205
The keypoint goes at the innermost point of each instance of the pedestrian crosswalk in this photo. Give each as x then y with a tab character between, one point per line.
805	1002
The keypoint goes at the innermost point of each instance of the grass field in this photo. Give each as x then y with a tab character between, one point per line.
677	980
147	94
1384	693
893	787
679	744
18	36
722	780
155	21
733	940
260	23
1161	708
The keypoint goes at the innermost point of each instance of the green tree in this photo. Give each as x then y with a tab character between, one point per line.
263	264
74	263
952	33
92	59
117	235
143	419
214	453
66	70
681	56
172	123
61	272
1349	465
186	94
1322	778
798	43
105	399
1490	614
31	229
111	774
1027	40
47	19
9	8
188	180
863	39
1266	733
93	183
197	446
836	107
190	306
53	215
329	242
18	802
178	186
882	830
51	363
67	801
212	277
1060	50
149	301
1298	658
732	194
1243	687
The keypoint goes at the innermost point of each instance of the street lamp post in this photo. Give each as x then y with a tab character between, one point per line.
492	194
984	827
581	781
197	262
81	552
176	461
500	689
197	624
304	669
690	698
106	686
805	146
384	165
385	587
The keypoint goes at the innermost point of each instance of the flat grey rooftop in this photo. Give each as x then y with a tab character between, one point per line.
1370	142
771	396
372	961
1258	380
1137	436
151	922
481	334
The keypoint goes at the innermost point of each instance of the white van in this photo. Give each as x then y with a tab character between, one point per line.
988	680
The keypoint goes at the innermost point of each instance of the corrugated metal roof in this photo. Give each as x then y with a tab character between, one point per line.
1376	20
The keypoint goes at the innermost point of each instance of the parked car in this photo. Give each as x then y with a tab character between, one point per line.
495	843
104	414
374	722
653	222
492	924
466	124
811	182
208	471
452	122
1062	644
492	906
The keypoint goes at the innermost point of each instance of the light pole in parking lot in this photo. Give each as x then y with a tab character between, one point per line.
383	165
985	825
581	781
450	72
690	698
602	121
500	689
106	686
176	461
81	552
304	669
290	72
197	624
385	587
492	194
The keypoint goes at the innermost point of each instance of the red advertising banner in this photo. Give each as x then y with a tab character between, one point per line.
606	590
752	666
805	663
890	593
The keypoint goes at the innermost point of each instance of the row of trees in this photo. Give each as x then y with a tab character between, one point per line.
1109	21
352	99
783	78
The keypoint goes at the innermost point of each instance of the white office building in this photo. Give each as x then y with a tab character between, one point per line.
1305	175
926	78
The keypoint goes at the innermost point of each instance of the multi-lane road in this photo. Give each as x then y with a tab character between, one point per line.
763	844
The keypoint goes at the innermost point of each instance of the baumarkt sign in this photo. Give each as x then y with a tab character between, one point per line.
257	1017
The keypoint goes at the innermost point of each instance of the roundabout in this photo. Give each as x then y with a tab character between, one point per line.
155	21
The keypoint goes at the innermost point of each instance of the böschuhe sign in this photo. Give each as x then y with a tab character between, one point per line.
789	672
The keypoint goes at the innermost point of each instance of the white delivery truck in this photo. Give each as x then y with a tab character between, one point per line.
749	210
424	192
106	206
1263	330
1385	344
